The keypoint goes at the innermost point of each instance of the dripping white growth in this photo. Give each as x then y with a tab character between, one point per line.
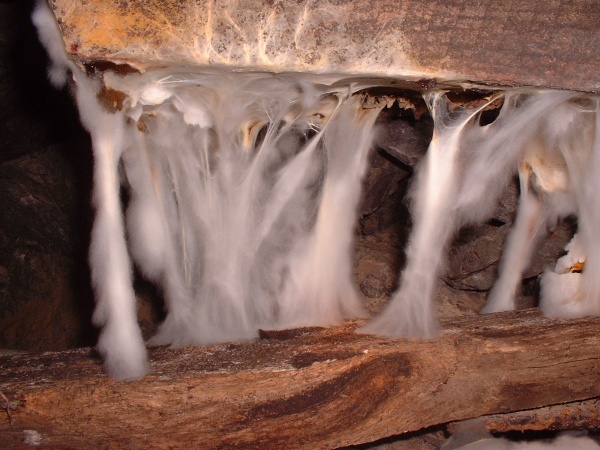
244	189
243	193
553	138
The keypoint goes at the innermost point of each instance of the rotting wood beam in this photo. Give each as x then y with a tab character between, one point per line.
305	388
524	43
567	416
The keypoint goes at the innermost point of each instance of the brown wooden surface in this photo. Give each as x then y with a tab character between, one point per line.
308	388
515	42
567	416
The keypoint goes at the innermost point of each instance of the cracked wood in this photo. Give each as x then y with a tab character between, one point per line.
306	388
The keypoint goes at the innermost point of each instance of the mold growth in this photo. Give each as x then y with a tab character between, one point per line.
244	188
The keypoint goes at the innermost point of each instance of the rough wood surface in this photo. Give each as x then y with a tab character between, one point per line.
307	388
516	42
568	416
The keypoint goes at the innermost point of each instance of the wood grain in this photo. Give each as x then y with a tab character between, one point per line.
305	388
516	42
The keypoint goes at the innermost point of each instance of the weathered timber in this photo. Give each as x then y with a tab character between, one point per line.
567	416
516	42
306	388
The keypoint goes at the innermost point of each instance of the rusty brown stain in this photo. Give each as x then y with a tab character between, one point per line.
525	395
501	333
307	359
583	414
285	335
386	373
111	99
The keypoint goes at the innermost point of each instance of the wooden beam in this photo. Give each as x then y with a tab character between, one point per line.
305	388
517	42
567	416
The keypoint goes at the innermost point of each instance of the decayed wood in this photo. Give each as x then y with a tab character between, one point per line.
516	42
568	416
307	388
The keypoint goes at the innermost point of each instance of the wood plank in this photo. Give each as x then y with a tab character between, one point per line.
306	388
567	416
517	42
